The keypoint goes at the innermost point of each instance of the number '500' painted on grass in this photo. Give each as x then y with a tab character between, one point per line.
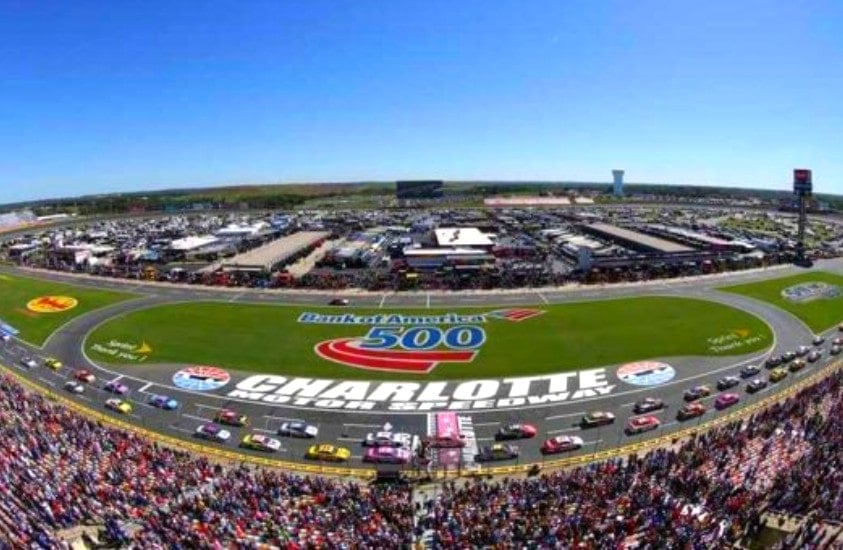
423	338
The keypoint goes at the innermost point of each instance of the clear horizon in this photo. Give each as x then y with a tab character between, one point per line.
134	98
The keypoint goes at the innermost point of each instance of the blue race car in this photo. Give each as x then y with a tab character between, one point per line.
164	402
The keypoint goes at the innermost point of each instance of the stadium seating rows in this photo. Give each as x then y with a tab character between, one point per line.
59	469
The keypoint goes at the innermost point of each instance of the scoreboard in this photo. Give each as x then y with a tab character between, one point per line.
802	183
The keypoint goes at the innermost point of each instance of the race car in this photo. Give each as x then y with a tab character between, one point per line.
5	336
818	340
231	418
53	363
641	424
749	371
726	400
599	418
212	432
814	356
756	385
690	410
778	374
837	342
773	361
118	405
789	356
300	430
835	350
116	387
74	387
561	444
387	455
338	302
498	451
796	366
840	327
328	453
387	439
516	431
727	382
802	350
28	362
260	442
164	402
83	375
648	404
697	392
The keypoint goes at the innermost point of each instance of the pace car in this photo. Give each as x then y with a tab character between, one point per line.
648	404
498	451
749	371
259	442
756	385
53	363
118	405
212	432
516	431
116	387
84	375
727	382
301	430
726	400
387	455
599	418
561	444
231	418
164	402
690	410
329	453
778	374
697	392
641	424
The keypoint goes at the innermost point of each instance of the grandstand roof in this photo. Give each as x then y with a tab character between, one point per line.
641	239
462	236
275	252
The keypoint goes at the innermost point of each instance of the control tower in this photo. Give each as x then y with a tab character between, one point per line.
803	189
617	178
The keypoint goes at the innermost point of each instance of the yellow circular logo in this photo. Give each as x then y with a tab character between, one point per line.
51	304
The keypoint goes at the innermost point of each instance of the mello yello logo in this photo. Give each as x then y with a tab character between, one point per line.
51	304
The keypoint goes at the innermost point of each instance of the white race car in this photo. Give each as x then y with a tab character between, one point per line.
388	439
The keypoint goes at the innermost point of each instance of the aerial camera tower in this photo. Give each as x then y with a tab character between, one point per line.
803	189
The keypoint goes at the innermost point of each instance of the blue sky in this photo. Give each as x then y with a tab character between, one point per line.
101	97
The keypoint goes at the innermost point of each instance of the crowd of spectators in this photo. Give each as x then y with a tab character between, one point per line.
59	470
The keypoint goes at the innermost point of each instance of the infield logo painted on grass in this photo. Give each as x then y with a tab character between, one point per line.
201	378
646	373
808	292
410	343
51	304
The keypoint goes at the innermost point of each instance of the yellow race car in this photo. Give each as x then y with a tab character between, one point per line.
778	374
118	405
53	363
328	453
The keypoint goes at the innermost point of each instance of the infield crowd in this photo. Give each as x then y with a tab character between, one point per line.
59	470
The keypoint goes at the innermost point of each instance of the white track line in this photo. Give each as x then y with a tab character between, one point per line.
195	417
577	429
568	415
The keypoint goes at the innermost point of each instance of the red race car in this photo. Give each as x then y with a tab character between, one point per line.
84	375
561	444
231	418
641	424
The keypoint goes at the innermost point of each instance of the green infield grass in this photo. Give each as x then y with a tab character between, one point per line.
270	339
817	311
16	293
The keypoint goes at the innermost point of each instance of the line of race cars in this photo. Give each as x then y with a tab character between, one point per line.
386	447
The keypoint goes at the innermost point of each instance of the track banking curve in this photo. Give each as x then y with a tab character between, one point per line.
348	428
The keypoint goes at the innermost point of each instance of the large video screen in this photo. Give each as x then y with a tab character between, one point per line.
426	189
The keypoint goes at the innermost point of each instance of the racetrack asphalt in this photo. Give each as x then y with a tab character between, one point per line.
348	428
